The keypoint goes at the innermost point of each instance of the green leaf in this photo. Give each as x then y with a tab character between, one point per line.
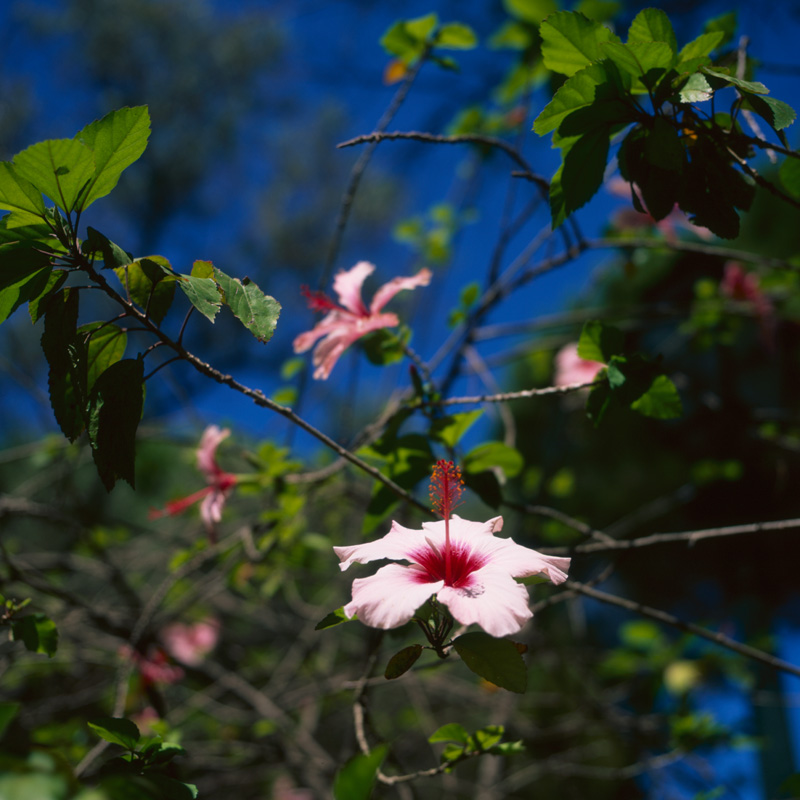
114	410
116	730
401	662
334	618
104	345
7	713
496	660
753	87
703	45
117	140
384	347
406	39
639	59
652	25
354	781
201	289
576	92
150	284
571	42
530	10
778	114
725	24
599	342
557	207
23	251
489	736
660	401
456	36
38	633
60	323
584	167
257	311
112	254
663	147
20	195
452	732
58	168
789	174
696	90
23	291
494	455
449	430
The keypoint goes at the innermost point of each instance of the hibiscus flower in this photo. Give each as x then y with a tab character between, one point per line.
190	644
220	483
350	319
461	562
571	368
745	287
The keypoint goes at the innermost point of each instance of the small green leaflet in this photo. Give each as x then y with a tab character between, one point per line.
116	730
257	311
334	618
599	342
37	632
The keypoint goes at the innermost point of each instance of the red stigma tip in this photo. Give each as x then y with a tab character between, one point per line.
318	301
446	488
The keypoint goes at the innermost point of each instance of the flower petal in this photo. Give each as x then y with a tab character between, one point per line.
390	289
347	284
207	450
493	600
390	597
397	545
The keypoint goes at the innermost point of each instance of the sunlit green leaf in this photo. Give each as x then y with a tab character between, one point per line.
652	25
117	140
456	36
334	618
753	87
58	168
20	195
696	89
112	254
452	732
533	11
639	59
150	284
104	345
354	781
38	633
571	42
599	342
257	311
777	113
660	401
576	92
116	730
492	455
703	45
450	429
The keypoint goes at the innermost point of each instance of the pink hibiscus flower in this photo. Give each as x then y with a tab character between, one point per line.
351	319
744	287
154	666
190	644
571	368
220	484
461	562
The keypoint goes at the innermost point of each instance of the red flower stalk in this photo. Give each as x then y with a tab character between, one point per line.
445	490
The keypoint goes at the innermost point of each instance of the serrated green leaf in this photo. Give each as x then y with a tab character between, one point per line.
571	42
116	730
702	46
58	168
114	412
496	660
778	114
334	618
38	633
20	195
576	92
402	661
456	36
599	342
639	59
696	89
449	430
202	293
354	781
60	324
150	284
660	401
584	167
117	140
753	87
104	345
491	455
257	311
7	713
652	25
489	736
452	732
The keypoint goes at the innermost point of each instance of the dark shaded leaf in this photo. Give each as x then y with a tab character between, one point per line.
495	660
116	730
37	632
402	661
354	781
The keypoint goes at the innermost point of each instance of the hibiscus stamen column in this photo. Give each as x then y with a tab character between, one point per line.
445	492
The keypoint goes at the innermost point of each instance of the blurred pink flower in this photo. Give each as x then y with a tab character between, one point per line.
190	644
349	321
631	219
220	483
154	667
461	562
571	368
744	287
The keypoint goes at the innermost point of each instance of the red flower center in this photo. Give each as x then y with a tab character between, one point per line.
463	562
